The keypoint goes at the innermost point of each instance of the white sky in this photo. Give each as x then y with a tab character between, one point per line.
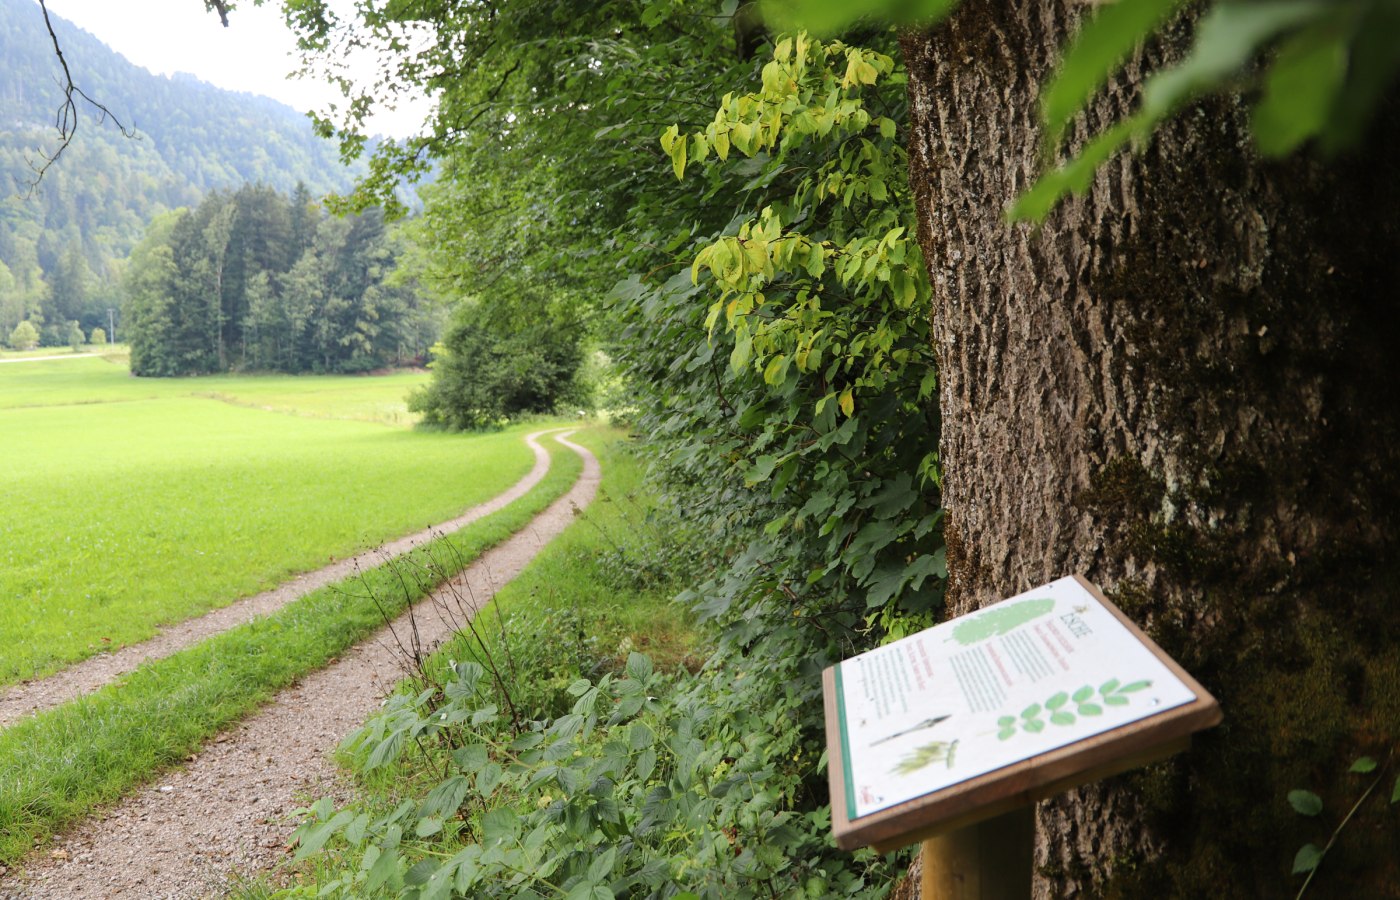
254	54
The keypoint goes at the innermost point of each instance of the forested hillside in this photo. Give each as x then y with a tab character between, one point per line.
61	244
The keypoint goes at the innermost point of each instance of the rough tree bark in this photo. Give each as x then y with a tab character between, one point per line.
1182	386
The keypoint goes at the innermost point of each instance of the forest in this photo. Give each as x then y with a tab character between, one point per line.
256	280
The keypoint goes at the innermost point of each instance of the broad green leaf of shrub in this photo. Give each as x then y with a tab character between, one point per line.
1305	802
1307	859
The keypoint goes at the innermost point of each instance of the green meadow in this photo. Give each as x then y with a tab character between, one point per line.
128	503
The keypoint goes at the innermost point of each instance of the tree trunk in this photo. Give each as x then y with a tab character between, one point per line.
1181	386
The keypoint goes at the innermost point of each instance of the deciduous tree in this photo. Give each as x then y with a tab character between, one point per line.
1169	386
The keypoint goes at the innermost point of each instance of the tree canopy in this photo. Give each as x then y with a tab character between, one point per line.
257	280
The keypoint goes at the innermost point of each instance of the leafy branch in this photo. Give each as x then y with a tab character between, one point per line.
1306	803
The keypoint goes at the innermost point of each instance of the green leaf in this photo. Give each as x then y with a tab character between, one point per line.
1096	52
1305	803
1135	687
428	827
1082	694
1057	700
829	17
638	666
445	799
1035	726
420	872
315	838
761	469
498	825
1374	61
488	778
1090	709
602	867
470	757
1062	717
1030	712
1300	89
1307	859
385	864
646	764
1074	176
678	157
1226	39
1363	765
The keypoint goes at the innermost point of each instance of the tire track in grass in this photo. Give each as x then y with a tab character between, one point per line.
94	672
228	810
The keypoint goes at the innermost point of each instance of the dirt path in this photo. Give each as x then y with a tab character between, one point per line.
227	810
92	673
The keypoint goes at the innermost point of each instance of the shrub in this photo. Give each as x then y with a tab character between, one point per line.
25	336
488	370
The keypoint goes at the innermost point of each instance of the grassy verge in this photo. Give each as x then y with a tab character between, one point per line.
553	759
591	600
61	764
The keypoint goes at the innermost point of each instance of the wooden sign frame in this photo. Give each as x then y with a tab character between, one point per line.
1022	783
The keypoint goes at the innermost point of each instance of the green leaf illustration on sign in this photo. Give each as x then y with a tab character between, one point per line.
1065	708
1000	619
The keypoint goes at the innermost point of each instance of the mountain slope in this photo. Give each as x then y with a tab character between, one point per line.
93	206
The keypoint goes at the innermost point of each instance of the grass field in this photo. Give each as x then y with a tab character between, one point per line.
59	765
132	502
87	380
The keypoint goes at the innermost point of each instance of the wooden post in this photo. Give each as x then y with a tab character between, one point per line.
991	860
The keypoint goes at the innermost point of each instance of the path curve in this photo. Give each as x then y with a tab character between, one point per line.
88	675
228	810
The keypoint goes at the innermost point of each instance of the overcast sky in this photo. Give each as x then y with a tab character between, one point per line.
254	54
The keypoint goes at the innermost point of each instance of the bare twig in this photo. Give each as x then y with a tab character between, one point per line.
66	116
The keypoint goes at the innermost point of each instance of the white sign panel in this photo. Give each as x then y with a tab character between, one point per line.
1030	674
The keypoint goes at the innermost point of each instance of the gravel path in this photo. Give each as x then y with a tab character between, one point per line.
95	671
228	810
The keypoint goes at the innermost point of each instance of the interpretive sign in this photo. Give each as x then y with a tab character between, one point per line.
995	709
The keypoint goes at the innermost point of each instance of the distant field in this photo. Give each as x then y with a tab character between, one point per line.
132	502
87	380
